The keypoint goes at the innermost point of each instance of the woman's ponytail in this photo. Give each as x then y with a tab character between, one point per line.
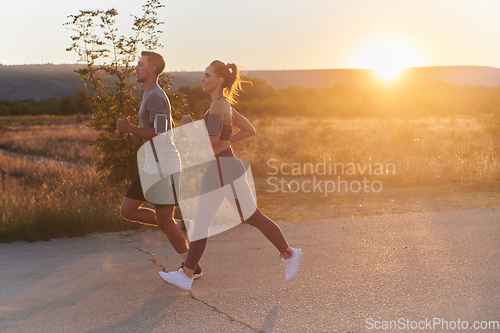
232	81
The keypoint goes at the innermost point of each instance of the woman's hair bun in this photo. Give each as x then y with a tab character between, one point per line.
231	75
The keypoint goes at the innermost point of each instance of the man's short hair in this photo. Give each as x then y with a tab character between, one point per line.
155	59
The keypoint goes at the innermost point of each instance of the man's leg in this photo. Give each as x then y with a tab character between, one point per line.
162	216
131	210
166	222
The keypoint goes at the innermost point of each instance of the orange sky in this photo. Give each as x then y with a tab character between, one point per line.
278	34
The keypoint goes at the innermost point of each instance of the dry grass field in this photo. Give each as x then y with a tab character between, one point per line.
429	164
58	138
454	150
46	198
382	166
41	200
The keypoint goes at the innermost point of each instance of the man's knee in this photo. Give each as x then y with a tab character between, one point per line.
165	216
127	212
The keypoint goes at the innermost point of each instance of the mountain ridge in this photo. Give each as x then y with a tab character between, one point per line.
38	82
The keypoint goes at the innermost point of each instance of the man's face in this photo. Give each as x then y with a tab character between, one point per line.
143	69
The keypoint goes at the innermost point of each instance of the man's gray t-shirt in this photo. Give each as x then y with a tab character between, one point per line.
155	101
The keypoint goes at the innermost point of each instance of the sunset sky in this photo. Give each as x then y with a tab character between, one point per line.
291	34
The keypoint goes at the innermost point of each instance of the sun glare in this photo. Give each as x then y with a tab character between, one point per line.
386	57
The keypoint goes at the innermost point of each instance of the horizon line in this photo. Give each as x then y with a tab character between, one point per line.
259	70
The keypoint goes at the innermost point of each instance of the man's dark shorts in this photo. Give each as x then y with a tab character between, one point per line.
167	195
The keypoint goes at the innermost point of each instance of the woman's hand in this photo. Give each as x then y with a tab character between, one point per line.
186	120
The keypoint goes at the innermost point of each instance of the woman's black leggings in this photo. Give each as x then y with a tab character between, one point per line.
225	178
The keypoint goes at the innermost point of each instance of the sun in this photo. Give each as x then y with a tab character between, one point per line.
387	57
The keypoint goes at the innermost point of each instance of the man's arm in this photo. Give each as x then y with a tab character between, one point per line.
124	126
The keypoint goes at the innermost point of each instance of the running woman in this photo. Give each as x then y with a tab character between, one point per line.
225	176
154	101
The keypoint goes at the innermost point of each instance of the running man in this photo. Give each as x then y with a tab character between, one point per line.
154	101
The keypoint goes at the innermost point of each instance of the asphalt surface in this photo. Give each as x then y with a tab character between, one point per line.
356	274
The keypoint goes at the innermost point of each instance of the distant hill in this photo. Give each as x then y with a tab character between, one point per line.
45	81
38	81
460	75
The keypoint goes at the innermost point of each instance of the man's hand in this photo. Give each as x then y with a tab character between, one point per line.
123	125
137	139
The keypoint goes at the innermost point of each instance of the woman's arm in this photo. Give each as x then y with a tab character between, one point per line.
188	124
222	108
246	128
199	133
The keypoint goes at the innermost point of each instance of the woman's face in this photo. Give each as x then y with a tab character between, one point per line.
209	80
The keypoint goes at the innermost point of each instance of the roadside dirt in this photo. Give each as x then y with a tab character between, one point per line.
300	206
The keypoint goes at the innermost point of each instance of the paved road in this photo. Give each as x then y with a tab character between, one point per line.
355	271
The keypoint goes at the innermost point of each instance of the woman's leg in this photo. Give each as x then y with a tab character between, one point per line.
258	220
240	196
211	197
291	257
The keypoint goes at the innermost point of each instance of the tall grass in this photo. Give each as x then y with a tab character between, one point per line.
45	200
60	142
42	201
45	120
58	138
423	150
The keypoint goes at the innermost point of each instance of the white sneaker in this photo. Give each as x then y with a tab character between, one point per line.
178	278
292	264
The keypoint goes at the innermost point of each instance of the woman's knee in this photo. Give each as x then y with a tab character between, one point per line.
255	217
199	232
